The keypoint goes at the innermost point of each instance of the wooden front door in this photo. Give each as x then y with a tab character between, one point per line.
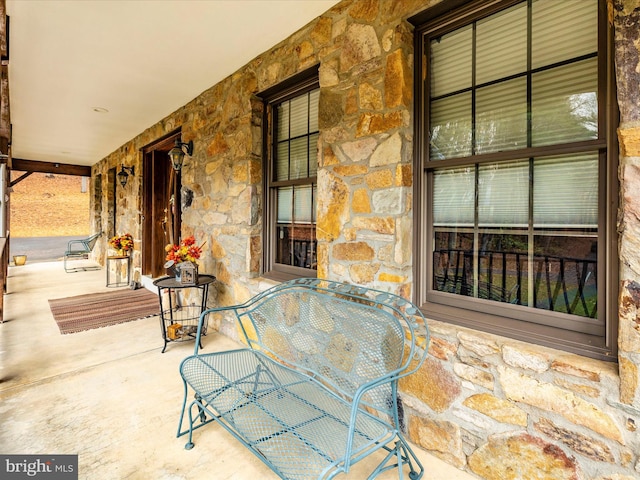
161	206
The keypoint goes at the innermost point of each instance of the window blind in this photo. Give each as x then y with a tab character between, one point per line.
297	204
297	148
562	30
451	62
565	192
565	104
503	195
501	44
501	116
480	78
453	197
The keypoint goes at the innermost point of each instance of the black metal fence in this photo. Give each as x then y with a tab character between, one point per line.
560	284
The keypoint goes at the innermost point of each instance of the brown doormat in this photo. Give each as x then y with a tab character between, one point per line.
95	310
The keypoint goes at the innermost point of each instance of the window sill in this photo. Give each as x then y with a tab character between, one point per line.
581	344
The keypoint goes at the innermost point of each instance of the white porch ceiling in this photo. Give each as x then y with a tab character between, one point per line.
138	59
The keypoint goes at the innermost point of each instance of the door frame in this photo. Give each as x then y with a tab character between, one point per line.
156	168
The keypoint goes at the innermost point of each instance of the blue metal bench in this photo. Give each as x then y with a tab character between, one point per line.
80	248
315	391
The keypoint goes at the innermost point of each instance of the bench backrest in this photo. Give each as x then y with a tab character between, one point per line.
92	240
348	337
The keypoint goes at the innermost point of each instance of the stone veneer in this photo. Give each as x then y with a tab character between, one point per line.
495	407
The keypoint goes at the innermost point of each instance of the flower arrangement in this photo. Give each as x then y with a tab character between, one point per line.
122	243
186	251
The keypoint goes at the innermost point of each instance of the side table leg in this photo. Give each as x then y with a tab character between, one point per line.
163	328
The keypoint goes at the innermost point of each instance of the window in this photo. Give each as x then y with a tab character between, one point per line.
518	174
291	130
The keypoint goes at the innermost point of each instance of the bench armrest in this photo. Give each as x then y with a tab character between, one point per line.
203	317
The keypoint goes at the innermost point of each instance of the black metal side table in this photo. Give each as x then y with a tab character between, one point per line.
120	280
179	322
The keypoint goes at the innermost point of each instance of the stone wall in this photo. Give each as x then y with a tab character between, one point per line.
496	407
506	409
627	38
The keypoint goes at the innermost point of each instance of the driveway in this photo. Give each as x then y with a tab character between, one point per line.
40	249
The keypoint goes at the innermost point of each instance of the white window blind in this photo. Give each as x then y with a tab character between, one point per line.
296	204
303	206
314	100
565	192
480	78
451	127
565	104
299	116
501	116
501	44
297	137
451	62
503	195
562	30
285	204
453	197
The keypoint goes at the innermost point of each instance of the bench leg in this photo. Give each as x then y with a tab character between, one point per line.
189	445
201	415
184	405
402	454
85	268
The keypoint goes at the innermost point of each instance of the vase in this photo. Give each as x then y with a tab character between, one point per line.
19	260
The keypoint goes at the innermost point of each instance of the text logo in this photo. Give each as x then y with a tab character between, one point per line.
39	467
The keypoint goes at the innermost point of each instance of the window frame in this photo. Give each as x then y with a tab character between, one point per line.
293	87
494	317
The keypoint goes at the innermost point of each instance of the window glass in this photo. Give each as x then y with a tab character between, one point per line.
503	195
501	116
479	81
565	104
313	154
451	66
282	161
451	124
283	121
296	242
285	204
299	163
565	192
479	255
501	46
564	274
453	197
299	116
294	168
314	100
554	38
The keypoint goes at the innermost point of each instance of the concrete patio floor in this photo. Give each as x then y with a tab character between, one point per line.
109	395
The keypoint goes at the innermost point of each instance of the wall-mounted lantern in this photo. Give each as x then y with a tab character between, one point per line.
123	175
177	153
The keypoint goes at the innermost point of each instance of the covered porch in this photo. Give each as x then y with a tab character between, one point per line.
540	381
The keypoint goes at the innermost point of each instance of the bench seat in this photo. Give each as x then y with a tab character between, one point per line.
281	413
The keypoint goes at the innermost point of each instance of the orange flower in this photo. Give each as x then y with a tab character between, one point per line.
187	250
